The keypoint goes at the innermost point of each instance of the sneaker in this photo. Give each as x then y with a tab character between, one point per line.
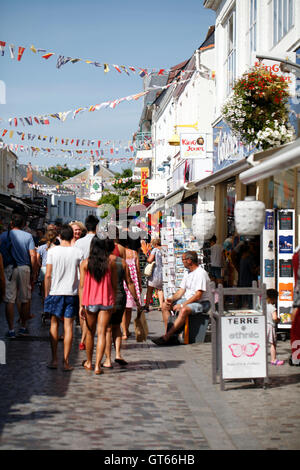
23	332
277	363
10	335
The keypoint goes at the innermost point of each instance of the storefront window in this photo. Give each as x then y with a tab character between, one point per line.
283	187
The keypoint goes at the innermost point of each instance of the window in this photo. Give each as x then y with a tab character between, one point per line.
231	51
59	207
252	25
283	18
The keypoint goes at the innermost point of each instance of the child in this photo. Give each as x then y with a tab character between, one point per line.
272	319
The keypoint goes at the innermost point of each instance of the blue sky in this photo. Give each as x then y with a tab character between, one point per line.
156	34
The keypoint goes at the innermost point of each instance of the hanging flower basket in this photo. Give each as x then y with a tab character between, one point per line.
258	110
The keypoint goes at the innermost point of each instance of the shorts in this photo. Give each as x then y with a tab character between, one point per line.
18	286
215	272
117	316
196	307
97	308
62	306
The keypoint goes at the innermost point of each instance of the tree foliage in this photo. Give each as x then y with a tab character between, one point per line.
61	173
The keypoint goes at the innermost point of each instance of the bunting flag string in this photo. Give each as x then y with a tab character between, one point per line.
72	152
61	116
63	60
127	146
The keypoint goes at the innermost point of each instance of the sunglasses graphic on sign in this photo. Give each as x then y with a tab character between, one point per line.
249	350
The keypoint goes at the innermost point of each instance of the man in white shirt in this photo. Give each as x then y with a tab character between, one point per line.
61	292
84	243
192	298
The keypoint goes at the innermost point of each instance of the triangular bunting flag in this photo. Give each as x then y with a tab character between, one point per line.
20	52
12	51
2	46
48	55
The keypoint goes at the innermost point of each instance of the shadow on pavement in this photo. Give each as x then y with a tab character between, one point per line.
25	374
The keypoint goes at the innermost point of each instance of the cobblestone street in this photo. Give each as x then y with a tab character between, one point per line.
164	399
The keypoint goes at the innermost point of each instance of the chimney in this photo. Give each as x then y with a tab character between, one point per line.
29	174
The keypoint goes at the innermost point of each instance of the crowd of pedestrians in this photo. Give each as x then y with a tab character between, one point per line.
95	279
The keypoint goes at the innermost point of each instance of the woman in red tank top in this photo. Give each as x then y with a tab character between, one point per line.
97	293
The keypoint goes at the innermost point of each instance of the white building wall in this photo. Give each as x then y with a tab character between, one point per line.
195	104
83	211
63	206
8	164
264	39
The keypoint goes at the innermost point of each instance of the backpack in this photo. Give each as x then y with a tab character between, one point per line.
6	251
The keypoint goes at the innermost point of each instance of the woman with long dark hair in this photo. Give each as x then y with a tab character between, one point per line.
97	293
114	330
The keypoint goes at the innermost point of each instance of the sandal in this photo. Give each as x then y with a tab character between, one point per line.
86	367
277	362
121	362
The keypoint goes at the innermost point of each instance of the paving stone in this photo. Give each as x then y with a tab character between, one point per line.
164	399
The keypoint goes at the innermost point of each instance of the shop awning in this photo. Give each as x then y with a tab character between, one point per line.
157	205
174	198
281	160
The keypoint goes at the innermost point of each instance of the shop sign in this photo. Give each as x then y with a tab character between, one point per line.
157	188
244	346
95	188
227	148
274	67
193	145
144	183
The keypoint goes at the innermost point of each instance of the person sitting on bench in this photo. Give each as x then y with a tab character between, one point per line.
192	298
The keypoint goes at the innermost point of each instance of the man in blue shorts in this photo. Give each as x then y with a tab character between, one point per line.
193	297
61	292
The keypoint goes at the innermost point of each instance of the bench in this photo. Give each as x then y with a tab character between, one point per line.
195	328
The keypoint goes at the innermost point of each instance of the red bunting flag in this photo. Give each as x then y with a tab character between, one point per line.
47	56
99	143
2	46
117	68
20	52
4	132
161	72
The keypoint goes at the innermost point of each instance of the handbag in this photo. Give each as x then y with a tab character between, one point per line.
141	328
149	269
